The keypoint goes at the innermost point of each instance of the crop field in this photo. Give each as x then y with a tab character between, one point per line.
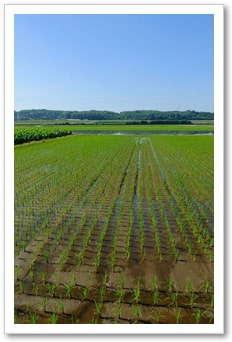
121	128
115	229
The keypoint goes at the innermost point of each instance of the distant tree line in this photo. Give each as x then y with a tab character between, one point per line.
151	115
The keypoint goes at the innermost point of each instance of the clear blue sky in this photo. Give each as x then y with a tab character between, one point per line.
114	62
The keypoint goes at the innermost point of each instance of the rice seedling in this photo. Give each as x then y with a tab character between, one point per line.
98	307
178	315
21	286
136	291
207	286
43	303
43	276
102	292
33	318
46	256
192	298
63	258
61	306
59	234
157	315
174	296
198	315
155	290
31	274
73	279
189	286
128	237
68	288
57	278
74	319
112	259
175	253
170	285
23	245
35	287
85	291
51	289
118	312
137	311
80	256
54	318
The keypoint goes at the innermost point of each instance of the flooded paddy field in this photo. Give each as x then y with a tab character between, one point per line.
114	229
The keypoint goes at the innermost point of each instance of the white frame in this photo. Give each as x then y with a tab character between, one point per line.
218	326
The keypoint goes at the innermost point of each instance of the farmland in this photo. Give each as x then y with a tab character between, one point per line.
115	229
23	135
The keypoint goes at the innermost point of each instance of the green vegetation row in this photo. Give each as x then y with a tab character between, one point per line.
38	114
120	128
22	135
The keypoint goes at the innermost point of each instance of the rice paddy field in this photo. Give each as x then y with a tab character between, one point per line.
114	229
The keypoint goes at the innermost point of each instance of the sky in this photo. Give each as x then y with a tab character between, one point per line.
114	62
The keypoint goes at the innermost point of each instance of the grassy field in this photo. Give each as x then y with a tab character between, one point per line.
118	128
114	229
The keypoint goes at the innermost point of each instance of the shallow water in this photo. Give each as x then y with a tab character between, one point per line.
142	133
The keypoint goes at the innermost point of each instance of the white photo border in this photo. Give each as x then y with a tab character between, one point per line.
218	326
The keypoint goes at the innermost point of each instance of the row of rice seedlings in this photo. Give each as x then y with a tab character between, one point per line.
162	177
113	182
141	228
147	173
86	239
155	290
44	226
136	296
194	161
137	291
202	184
170	235
99	303
178	222
100	243
98	186
192	295
67	168
64	254
140	198
115	239
46	196
200	230
79	227
125	207
36	222
158	189
39	247
129	232
103	190
120	292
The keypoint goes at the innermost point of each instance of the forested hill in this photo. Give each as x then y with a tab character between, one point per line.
39	114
